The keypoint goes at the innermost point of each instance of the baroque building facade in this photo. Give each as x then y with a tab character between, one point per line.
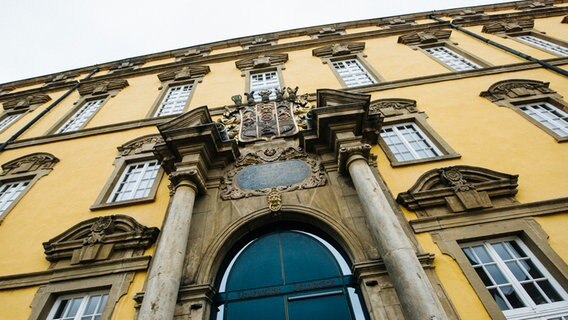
408	167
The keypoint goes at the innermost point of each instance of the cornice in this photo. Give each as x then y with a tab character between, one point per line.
543	12
513	212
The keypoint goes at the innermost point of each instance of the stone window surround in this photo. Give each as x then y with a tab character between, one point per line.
115	284
278	68
22	106
356	53
32	175
536	34
120	164
419	119
78	105
551	98
163	88
452	46
528	230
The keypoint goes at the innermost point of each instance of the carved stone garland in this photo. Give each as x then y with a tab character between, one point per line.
265	120
231	191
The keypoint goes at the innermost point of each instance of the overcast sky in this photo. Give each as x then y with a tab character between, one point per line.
41	37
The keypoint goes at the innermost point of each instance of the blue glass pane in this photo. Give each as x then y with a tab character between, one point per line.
258	309
305	258
257	266
329	307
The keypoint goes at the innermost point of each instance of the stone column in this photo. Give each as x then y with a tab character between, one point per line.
416	294
164	277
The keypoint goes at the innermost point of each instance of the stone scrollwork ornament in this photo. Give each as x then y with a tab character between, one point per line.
274	199
284	116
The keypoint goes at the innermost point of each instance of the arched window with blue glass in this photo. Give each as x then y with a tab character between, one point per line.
288	275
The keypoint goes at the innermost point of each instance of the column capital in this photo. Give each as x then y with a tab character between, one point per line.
349	153
190	177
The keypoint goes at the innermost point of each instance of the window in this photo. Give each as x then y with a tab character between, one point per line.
406	137
517	281
136	181
535	101
264	81
8	120
451	59
549	116
407	142
10	191
79	307
19	175
175	100
135	177
544	44
353	73
81	116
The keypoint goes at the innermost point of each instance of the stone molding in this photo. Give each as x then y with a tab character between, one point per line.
564	20
396	22
29	164
25	102
229	190
192	142
184	73
194	177
516	88
140	145
535	5
97	239
508	26
459	188
339	49
392	107
128	64
467	15
424	37
258	41
363	151
327	31
192	53
102	87
262	61
57	79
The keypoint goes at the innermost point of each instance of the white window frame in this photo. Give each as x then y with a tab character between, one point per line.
80	314
553	118
451	58
81	116
354	73
172	104
543	44
407	144
531	310
10	191
8	119
259	85
151	167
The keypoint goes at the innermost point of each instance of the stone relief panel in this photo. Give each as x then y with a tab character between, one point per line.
264	120
262	172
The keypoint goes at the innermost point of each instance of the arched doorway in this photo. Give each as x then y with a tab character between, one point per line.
288	275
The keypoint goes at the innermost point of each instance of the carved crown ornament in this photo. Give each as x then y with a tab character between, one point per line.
258	41
339	49
535	5
102	87
516	88
271	170
128	64
395	22
262	61
99	239
187	72
140	145
266	119
29	163
509	26
62	77
424	37
564	20
192	53
392	107
459	188
26	102
326	32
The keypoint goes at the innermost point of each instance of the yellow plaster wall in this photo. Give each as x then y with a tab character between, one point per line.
84	175
555	227
308	72
361	29
486	135
16	303
553	27
482	50
158	62
218	86
293	39
394	61
124	308
226	50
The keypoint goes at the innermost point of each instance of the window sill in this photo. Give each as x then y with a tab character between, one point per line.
396	164
102	206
